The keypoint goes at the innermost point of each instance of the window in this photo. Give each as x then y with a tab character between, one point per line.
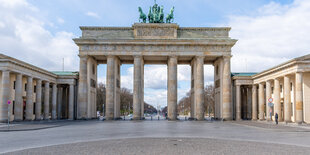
217	70
34	89
14	85
25	86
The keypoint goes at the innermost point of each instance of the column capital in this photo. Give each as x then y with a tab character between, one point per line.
173	56
83	56
110	56
199	57
227	56
6	70
138	56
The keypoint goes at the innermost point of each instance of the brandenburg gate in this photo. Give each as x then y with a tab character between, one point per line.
154	43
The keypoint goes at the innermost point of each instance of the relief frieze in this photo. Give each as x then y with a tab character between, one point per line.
150	48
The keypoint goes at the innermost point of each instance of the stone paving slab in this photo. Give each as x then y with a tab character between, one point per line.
33	125
290	127
171	146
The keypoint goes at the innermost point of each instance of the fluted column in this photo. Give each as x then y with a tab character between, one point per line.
18	110
277	99
110	88
29	100
238	102
60	101
54	101
172	88
268	95
83	89
254	102
46	100
227	111
137	90
287	99
5	95
38	99
199	89
71	102
299	97
261	101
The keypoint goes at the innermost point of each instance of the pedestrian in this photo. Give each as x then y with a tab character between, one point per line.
276	117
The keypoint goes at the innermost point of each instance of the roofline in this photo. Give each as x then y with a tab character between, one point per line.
282	65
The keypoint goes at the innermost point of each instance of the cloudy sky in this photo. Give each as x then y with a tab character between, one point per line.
268	31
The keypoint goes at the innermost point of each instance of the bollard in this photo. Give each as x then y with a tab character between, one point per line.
185	118
124	118
151	118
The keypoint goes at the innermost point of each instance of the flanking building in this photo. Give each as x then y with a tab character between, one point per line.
283	89
35	93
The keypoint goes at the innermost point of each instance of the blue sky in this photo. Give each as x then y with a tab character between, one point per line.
268	31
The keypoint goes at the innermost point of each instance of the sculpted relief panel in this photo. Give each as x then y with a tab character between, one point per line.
155	48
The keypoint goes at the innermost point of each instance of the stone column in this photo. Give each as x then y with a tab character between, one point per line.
142	89
38	99
254	102
244	102
268	95
59	104
261	101
18	110
199	89
287	99
277	99
172	88
54	101
29	100
299	97
249	102
227	111
5	95
110	88
137	88
71	102
192	91
238	103
46	100
83	89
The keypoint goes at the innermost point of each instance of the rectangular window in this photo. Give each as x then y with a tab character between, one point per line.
25	86
34	89
14	85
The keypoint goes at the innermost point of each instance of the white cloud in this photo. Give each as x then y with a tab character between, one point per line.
92	14
276	33
25	37
60	20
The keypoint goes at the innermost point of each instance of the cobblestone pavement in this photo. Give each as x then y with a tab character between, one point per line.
154	137
171	146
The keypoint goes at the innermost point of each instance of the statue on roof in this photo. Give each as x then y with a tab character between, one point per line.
156	14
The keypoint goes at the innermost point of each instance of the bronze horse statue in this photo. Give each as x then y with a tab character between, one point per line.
170	17
142	16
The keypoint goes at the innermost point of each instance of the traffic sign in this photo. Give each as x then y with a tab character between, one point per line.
9	102
270	104
270	99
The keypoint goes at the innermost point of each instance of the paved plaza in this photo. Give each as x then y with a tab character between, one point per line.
156	137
